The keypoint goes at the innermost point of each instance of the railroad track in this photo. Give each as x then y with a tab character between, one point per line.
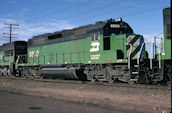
145	86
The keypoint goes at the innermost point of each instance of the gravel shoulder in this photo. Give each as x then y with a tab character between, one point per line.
123	99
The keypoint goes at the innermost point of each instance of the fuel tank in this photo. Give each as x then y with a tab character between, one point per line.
59	72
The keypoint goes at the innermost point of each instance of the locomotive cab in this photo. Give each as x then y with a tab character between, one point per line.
116	27
21	50
111	32
113	28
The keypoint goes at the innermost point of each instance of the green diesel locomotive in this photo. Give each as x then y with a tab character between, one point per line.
9	54
162	66
107	51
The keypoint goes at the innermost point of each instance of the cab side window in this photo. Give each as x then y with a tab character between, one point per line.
95	37
106	43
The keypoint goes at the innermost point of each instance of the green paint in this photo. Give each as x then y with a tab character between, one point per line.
167	49
78	51
5	60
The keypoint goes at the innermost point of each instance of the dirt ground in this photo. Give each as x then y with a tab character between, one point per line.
132	100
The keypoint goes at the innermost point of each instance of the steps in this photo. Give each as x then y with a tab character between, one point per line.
157	73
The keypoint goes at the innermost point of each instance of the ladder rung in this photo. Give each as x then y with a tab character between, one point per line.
157	73
135	72
136	65
102	79
133	79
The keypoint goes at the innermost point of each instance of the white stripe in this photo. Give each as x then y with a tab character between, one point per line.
129	38
134	46
141	54
137	42
136	56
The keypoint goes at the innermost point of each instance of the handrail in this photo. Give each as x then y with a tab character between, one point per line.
17	62
160	54
131	47
140	53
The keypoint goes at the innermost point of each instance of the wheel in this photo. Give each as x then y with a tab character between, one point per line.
109	78
131	82
5	71
111	81
9	73
41	77
0	71
93	80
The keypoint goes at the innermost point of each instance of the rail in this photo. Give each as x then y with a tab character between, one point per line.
117	84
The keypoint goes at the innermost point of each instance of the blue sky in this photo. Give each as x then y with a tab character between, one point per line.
43	16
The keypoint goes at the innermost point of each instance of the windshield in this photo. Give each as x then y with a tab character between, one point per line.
116	28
